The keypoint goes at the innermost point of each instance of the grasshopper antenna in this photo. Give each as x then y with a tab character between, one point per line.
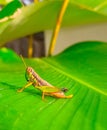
23	61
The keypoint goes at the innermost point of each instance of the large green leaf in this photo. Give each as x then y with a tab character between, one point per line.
42	16
81	68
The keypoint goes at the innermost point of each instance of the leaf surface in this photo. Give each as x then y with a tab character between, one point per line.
81	68
43	16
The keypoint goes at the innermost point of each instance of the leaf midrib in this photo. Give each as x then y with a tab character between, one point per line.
74	78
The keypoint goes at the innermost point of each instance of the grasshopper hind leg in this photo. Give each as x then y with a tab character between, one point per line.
43	96
69	96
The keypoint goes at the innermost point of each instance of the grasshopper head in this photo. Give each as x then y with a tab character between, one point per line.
29	71
28	74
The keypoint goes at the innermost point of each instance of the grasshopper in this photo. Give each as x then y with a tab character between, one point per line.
46	88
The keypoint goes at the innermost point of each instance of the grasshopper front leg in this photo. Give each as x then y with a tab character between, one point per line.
26	86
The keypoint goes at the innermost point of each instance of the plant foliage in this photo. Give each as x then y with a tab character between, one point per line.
43	16
81	68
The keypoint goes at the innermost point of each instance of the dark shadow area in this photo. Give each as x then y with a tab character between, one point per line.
15	88
20	46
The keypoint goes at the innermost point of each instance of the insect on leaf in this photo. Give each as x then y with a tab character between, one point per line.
82	68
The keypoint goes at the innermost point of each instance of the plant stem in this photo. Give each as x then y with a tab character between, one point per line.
36	1
30	46
57	27
30	41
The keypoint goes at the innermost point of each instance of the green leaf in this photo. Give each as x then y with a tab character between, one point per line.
43	16
10	8
81	68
